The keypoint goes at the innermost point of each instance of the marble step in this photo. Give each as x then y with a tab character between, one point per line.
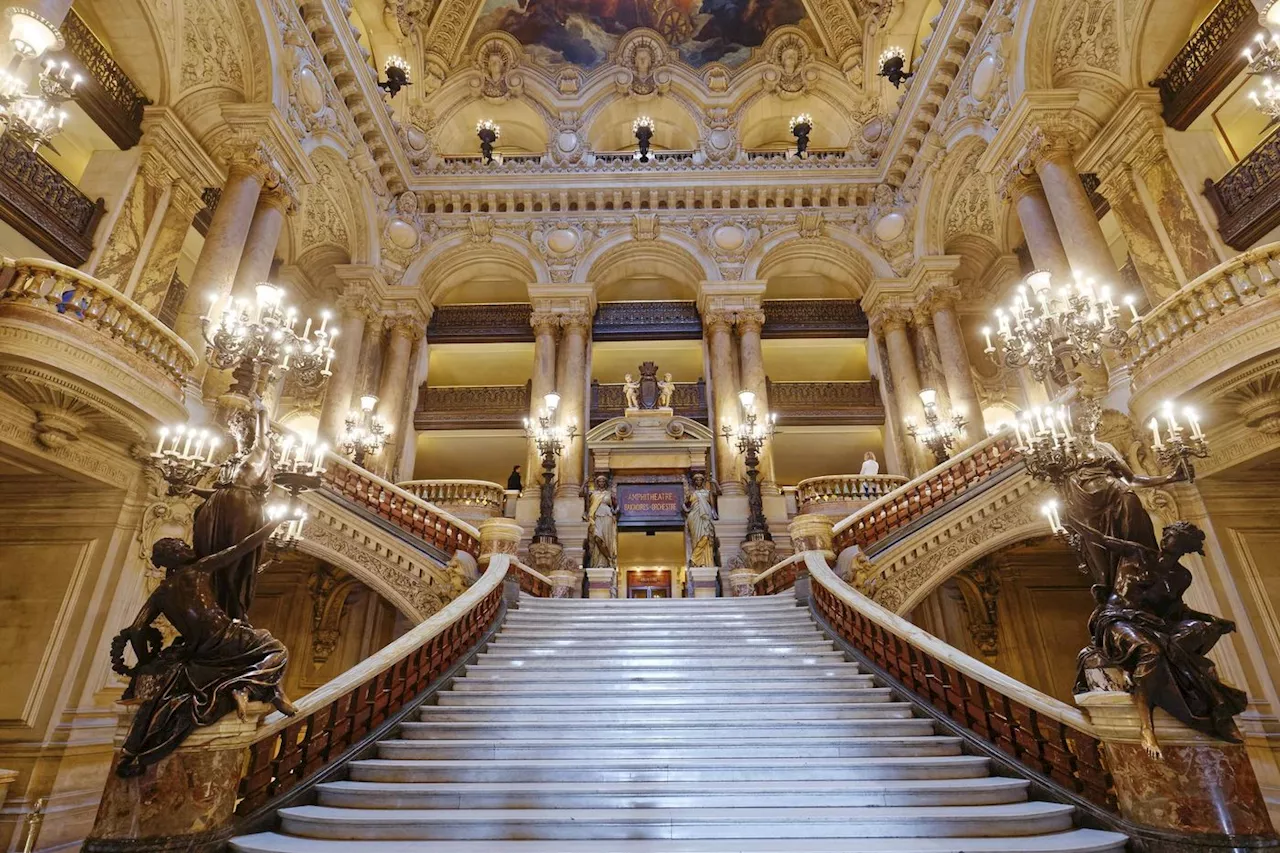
682	607
1015	819
588	734
505	647
577	681
1072	841
593	769
609	623
762	659
699	638
579	714
672	695
802	668
654	750
647	795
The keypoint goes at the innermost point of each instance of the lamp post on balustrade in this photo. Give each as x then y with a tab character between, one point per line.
751	434
550	437
940	431
365	433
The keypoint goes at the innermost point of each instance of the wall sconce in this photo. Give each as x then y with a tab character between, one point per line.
893	66
940	431
397	71
801	127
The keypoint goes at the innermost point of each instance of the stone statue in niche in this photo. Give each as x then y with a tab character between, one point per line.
666	390
602	522
631	390
699	517
217	664
1141	625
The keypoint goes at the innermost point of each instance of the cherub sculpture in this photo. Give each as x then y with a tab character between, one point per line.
631	389
666	390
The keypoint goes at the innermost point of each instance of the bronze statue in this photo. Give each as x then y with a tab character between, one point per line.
699	520
1141	624
217	664
236	507
601	514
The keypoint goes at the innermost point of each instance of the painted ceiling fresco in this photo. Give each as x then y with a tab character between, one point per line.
584	32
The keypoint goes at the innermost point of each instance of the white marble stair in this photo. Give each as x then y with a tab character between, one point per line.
707	726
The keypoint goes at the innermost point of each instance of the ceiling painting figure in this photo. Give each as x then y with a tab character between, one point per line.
585	32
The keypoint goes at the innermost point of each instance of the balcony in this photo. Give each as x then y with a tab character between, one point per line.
107	95
472	407
1207	64
1247	199
608	401
84	357
841	495
827	403
44	206
470	500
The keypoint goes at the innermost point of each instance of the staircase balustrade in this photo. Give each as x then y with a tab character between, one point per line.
779	578
838	491
407	511
532	581
333	721
874	524
1039	732
476	497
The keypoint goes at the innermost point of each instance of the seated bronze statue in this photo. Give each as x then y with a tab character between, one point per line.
217	665
1141	625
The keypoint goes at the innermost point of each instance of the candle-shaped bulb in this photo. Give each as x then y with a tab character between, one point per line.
164	434
1154	426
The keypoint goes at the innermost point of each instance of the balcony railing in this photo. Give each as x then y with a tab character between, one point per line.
638	321
465	324
814	318
467	499
1207	64
1247	199
107	95
473	407
609	400
842	494
44	206
806	403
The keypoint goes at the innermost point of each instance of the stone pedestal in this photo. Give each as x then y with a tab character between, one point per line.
499	536
566	583
602	583
1202	788
184	802
704	581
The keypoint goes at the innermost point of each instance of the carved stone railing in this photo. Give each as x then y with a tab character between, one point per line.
1221	320
107	95
842	494
468	499
1207	63
345	715
44	206
635	321
472	407
871	528
1247	199
609	400
804	403
1038	732
424	521
814	318
501	323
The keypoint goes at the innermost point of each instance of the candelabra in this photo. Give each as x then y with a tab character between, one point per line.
488	131
292	517
34	118
893	66
268	342
365	434
397	71
183	456
643	129
1051	444
940	432
1179	445
750	435
1050	332
801	127
550	437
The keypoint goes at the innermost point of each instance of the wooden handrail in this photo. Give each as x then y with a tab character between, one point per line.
532	581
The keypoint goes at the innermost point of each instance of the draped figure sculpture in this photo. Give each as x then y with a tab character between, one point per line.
700	515
217	664
236	507
602	527
1141	625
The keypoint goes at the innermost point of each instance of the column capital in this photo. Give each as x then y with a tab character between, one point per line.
185	199
405	323
575	321
890	318
1049	146
357	300
718	320
165	134
750	320
262	127
1018	182
544	322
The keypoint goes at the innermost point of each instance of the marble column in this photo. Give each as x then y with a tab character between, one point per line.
1193	246
261	242
1158	277
956	367
751	355
928	359
355	309
545	326
405	437
1038	227
402	331
895	453
1073	213
165	238
892	325
725	405
572	387
215	269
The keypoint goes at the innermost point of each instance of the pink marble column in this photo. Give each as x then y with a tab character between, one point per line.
572	387
1036	219
167	236
955	360
751	355
261	242
354	311
718	327
891	326
1082	236
1159	280
402	331
545	327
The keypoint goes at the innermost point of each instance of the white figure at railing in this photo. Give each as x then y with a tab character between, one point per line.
870	468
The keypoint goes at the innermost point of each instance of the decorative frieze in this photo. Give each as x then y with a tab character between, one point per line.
509	322
44	206
814	318
1247	199
803	403
472	407
632	321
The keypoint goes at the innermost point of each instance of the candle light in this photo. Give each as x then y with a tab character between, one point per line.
324	320
1133	308
328	361
1174	428
986	333
1194	422
307	330
320	451
1155	434
213	445
1039	420
164	433
186	448
200	439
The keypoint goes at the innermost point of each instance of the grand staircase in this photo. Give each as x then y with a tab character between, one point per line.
674	726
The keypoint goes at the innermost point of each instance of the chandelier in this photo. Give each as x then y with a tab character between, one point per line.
1263	57
32	112
939	432
365	434
1045	329
642	128
266	337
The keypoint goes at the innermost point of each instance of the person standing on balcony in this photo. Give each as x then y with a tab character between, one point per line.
870	468
514	483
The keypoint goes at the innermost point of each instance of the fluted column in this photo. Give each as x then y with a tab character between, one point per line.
215	269
751	354
405	437
354	311
572	387
891	325
718	326
941	302
545	326
1073	213
1036	219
